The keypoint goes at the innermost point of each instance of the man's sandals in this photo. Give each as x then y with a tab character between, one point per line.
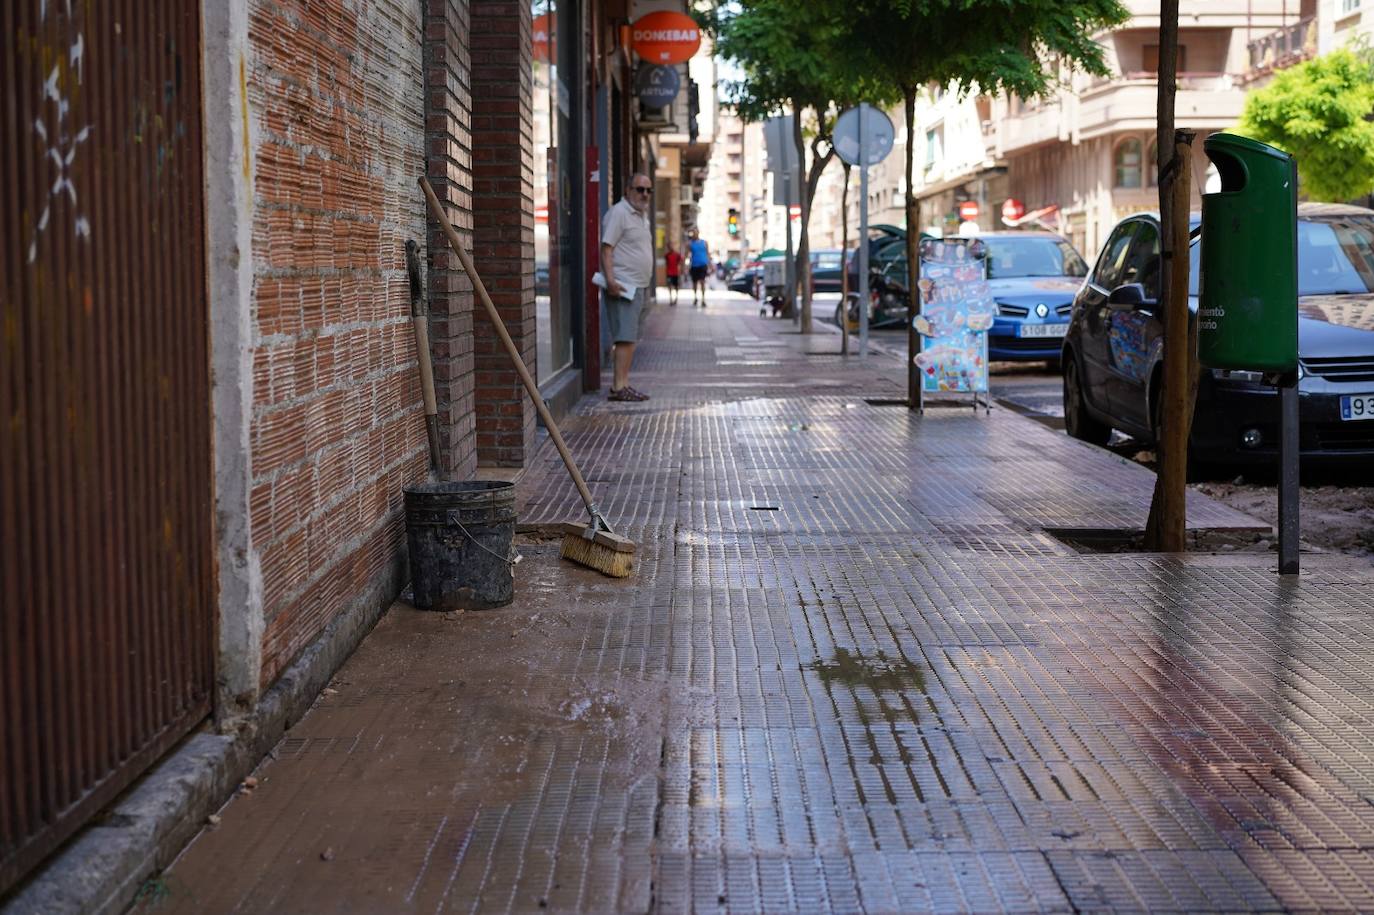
627	394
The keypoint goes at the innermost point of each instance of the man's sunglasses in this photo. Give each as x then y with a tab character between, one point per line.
641	190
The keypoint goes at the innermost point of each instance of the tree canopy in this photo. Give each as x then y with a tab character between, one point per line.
1319	111
996	45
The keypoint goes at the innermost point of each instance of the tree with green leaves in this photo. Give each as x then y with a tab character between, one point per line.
1319	111
790	55
1013	46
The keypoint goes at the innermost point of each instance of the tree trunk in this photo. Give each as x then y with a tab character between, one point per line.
844	262
1167	526
913	252
813	181
803	262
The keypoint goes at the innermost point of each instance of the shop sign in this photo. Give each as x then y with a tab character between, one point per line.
656	85
956	311
544	49
665	37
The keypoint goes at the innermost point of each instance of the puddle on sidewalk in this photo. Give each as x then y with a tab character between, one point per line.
879	673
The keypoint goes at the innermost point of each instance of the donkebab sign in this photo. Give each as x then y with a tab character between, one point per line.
544	51
665	37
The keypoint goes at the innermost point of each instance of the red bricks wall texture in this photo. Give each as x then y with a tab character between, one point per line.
448	116
336	97
503	222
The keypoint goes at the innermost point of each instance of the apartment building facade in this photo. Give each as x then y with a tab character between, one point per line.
1089	152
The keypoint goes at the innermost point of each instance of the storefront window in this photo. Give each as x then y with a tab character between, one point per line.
554	184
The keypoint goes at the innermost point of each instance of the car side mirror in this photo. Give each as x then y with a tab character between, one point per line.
1129	296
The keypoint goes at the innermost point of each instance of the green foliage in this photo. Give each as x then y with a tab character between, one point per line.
997	45
790	56
1319	111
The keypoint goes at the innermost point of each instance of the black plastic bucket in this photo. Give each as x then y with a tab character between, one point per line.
460	544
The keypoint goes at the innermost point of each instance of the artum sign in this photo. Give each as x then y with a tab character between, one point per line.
665	37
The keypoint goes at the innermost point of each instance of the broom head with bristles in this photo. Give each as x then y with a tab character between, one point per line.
610	554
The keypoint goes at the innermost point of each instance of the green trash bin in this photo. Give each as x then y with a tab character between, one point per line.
1248	308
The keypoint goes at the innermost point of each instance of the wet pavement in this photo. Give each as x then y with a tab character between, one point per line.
854	672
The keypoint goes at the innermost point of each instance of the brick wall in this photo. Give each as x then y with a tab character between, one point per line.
503	222
335	91
448	115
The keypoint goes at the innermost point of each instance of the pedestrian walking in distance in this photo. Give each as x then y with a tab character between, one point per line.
672	270
627	265
700	260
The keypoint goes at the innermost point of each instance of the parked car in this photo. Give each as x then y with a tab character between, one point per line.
885	242
743	280
1033	277
1112	353
827	265
749	279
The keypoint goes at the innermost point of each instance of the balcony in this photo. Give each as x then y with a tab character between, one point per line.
1129	103
1030	123
1282	48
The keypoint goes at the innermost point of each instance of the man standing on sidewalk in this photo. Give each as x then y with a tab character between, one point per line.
627	264
700	258
672	270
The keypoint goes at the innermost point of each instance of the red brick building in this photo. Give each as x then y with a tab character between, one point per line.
210	374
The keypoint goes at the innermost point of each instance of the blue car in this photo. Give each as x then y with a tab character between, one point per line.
1034	277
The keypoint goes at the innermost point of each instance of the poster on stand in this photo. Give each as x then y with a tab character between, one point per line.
956	311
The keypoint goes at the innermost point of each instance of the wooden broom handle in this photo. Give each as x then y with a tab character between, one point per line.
438	212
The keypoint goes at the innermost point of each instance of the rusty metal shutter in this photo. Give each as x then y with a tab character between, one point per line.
106	654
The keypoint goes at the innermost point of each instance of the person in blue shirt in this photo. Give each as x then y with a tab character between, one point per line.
699	258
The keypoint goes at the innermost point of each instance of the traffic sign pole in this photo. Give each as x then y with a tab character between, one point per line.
863	136
863	245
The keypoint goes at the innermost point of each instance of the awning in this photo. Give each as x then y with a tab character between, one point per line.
1045	217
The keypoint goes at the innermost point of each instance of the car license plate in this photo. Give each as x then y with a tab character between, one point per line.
1357	406
1043	330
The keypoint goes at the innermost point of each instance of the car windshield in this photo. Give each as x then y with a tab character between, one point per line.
1009	257
828	261
1334	258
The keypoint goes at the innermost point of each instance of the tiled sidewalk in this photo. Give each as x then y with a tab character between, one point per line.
853	673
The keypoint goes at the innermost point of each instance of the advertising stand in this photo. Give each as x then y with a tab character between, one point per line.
956	311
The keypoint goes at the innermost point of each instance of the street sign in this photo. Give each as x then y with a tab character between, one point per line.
1013	209
863	136
656	85
665	37
877	138
968	210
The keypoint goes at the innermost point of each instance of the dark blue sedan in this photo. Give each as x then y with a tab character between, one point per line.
1113	354
1034	277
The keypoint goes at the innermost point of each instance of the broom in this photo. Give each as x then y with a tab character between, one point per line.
595	545
419	319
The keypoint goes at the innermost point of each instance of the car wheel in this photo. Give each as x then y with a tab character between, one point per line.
839	316
1077	422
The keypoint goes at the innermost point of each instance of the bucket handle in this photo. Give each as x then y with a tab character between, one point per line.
510	560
